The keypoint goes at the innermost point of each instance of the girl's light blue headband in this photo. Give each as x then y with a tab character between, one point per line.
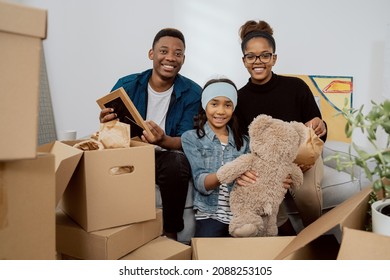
219	89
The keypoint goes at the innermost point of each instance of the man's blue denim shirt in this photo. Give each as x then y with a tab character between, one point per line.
185	100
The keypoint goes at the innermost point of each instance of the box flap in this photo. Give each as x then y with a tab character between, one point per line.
363	245
251	248
66	160
161	248
23	20
350	213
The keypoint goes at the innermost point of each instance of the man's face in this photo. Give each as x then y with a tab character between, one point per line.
168	57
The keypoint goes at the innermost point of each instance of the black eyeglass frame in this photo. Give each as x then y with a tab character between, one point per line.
259	57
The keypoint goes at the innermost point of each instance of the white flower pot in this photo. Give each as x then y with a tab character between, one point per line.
380	222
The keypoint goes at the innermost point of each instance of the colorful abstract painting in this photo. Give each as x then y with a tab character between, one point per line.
332	93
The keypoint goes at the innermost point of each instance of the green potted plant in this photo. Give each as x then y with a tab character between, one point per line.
374	160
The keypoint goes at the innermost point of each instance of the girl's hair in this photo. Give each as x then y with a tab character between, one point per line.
201	118
252	29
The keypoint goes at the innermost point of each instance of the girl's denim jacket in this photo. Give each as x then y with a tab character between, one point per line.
205	156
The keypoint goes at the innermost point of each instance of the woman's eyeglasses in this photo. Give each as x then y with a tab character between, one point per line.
264	57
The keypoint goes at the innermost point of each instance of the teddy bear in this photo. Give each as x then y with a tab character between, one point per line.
273	148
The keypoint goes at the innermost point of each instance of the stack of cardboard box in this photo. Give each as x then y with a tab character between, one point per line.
27	178
108	208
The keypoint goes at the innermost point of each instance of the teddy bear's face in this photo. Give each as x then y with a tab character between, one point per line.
273	139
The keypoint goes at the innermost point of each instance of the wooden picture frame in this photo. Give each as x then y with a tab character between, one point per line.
125	110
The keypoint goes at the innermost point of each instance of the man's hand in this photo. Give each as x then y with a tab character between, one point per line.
157	134
107	114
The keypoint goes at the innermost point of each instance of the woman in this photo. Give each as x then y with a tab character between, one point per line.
285	98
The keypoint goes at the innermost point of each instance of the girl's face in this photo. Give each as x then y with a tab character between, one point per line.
259	58
219	111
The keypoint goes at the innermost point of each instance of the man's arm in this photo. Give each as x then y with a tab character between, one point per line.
159	137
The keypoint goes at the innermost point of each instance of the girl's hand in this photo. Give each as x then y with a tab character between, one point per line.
249	177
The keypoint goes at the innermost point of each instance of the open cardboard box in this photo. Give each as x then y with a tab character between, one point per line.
310	243
98	197
66	160
107	244
22	30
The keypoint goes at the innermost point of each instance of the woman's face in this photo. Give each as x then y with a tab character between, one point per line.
260	67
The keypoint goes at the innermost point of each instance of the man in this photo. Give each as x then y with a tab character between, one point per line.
168	102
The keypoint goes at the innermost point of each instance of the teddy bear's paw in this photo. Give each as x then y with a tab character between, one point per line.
272	231
247	230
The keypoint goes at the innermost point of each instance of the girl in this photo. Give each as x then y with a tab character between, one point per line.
214	141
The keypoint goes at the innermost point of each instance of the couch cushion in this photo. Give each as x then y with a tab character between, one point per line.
337	187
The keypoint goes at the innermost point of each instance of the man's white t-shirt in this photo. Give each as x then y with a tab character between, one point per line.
158	103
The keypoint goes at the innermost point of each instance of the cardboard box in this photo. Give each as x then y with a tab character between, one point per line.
161	248
310	243
98	198
108	244
363	245
27	225
66	160
262	248
250	248
21	32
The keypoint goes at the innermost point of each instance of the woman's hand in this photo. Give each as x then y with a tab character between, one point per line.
250	177
287	182
304	167
318	126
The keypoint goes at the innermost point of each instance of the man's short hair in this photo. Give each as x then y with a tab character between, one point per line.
171	32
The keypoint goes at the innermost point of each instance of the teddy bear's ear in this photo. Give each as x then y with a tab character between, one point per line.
301	129
259	124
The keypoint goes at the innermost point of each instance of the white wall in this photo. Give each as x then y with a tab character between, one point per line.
92	43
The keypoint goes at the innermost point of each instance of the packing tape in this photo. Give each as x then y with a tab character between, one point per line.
3	199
